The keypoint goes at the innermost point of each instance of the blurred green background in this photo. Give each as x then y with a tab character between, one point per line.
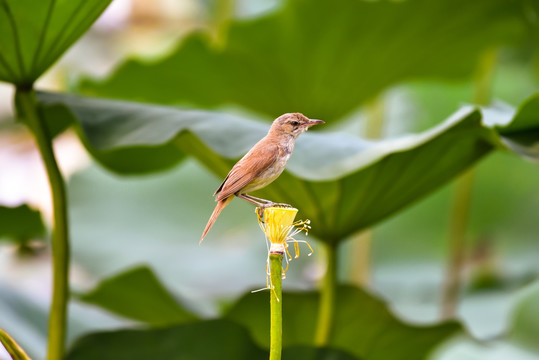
119	222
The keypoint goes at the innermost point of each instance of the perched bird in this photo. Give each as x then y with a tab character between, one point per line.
262	164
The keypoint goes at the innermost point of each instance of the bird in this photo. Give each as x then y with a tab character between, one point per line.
261	165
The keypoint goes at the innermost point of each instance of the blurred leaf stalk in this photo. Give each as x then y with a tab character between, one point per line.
462	199
32	40
28	112
360	259
13	349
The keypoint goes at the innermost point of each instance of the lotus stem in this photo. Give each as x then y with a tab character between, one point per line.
457	243
360	264
327	298
461	202
279	228
224	12
29	112
276	304
13	349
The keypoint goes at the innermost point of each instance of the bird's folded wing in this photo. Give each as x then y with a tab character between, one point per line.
248	169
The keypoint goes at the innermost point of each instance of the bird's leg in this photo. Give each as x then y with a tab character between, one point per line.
258	202
261	203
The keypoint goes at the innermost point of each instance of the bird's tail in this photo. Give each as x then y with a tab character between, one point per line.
218	208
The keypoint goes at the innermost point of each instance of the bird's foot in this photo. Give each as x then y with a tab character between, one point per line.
280	205
272	204
260	209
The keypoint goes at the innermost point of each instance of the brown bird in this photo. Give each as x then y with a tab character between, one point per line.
262	164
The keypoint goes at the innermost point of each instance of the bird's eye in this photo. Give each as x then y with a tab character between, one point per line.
294	123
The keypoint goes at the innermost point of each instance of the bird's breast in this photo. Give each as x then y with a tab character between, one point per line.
269	175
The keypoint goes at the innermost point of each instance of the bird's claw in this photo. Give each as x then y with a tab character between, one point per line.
260	209
260	213
282	205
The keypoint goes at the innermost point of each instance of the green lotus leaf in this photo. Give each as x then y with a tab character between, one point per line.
525	318
342	183
322	58
138	294
363	326
312	353
20	223
35	33
216	339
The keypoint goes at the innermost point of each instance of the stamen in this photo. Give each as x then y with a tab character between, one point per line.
279	229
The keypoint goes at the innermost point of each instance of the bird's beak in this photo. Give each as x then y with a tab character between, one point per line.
315	122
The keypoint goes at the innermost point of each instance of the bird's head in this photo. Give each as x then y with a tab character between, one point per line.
293	124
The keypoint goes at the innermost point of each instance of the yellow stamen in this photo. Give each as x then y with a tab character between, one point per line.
279	228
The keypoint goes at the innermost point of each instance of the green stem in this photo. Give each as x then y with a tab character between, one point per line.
276	306
461	203
29	111
360	262
484	76
460	211
327	298
13	349
375	116
224	12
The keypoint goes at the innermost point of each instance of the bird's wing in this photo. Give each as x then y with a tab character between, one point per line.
247	169
221	186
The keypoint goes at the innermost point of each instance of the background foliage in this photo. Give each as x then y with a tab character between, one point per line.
398	67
